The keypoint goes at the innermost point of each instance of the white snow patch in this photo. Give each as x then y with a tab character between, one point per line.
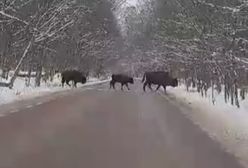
225	123
21	91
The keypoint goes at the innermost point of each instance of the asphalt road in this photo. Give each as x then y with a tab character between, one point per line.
99	128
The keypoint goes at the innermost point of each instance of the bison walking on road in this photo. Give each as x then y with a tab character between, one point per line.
121	78
72	75
160	78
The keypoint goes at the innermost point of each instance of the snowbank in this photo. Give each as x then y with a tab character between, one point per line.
223	122
21	91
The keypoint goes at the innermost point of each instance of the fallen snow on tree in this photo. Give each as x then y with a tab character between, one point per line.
223	122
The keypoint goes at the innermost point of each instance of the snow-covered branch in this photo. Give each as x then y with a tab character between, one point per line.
224	8
14	17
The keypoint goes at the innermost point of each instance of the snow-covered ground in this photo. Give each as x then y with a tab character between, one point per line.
223	122
21	91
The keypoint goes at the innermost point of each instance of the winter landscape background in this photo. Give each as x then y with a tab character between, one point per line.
204	43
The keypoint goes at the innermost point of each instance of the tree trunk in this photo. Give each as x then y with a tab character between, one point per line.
38	75
242	94
4	73
29	76
232	95
7	74
236	94
51	75
19	64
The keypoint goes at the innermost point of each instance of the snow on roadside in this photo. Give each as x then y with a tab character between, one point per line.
223	122
21	91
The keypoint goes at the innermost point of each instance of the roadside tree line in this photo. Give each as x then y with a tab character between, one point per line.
53	35
204	42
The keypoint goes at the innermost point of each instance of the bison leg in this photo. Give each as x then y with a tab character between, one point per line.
63	82
164	86
127	86
144	86
158	87
75	84
122	86
112	84
150	86
67	82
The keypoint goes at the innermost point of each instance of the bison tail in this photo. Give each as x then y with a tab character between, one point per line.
144	77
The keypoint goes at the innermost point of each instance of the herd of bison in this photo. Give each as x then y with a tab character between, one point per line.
159	78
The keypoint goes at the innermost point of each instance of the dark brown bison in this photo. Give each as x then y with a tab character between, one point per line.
121	78
72	75
160	78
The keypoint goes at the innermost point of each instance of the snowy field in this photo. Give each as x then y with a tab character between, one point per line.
223	122
21	91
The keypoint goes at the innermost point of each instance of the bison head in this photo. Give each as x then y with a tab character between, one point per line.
174	82
131	80
83	79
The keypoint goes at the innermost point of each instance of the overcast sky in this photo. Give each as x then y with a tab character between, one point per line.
132	2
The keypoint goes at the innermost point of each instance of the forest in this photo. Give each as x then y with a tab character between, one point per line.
202	42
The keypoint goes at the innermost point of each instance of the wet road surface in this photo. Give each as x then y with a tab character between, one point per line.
99	128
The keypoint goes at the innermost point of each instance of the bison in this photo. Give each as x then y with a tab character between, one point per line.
160	78
121	78
72	75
